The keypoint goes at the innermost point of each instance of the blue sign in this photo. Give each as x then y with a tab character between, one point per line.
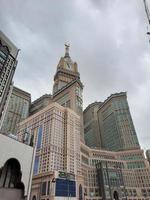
65	188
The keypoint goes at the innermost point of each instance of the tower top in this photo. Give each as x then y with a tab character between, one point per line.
67	45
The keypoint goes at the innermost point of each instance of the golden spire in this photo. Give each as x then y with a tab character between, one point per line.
67	45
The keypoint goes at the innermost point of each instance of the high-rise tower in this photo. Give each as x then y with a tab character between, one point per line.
67	89
91	128
8	63
116	125
17	110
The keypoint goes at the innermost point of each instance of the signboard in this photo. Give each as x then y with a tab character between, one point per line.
65	175
62	174
113	175
65	188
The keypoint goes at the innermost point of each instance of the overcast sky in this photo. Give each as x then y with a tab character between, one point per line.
108	41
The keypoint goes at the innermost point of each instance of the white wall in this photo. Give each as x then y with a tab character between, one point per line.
10	148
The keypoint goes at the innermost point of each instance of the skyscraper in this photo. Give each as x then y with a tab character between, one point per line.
8	63
56	129
116	125
91	127
40	103
67	89
66	168
17	110
56	132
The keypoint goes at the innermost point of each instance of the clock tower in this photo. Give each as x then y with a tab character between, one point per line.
67	89
67	71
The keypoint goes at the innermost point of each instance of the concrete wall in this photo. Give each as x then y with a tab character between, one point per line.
10	194
10	148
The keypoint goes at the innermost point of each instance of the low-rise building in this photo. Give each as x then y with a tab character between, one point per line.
16	166
115	175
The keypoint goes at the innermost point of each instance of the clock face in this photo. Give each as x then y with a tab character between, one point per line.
68	66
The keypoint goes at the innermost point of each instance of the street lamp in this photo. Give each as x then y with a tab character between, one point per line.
68	191
85	194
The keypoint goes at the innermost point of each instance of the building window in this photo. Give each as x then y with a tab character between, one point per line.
34	197
39	141
43	189
48	187
36	165
80	192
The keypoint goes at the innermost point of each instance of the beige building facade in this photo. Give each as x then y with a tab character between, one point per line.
133	181
56	132
68	88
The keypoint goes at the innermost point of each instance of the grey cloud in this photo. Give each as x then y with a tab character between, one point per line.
108	41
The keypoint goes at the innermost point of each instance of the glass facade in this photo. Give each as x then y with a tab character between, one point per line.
136	165
116	125
18	110
91	129
110	133
8	62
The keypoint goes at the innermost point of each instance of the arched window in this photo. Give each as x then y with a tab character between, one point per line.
80	192
34	197
116	195
10	176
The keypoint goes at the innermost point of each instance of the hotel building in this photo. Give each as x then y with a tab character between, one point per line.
40	103
115	175
8	63
17	110
56	132
65	167
91	125
116	126
67	89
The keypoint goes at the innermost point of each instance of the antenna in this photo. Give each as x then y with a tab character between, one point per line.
147	13
67	45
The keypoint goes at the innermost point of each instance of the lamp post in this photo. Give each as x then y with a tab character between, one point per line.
85	194
53	181
68	192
